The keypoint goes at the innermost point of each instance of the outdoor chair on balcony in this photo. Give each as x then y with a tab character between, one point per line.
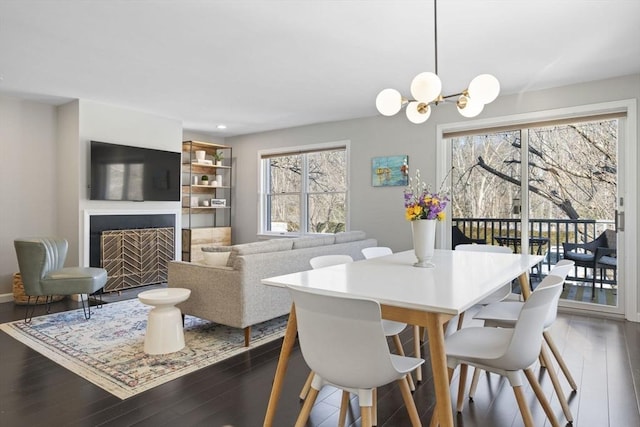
596	254
459	238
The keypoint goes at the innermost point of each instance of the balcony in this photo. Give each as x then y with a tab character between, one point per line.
547	236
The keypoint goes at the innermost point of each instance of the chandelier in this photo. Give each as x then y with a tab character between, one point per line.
426	89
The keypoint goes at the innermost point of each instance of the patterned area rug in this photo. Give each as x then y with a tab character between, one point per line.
108	349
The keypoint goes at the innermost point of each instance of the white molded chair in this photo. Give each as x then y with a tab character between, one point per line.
376	251
504	291
389	325
328	260
504	314
343	342
508	351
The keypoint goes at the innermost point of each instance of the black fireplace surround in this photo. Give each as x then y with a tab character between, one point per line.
100	223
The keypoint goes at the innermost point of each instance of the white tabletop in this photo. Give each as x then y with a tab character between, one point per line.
459	280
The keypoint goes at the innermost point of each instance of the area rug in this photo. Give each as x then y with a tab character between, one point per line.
107	350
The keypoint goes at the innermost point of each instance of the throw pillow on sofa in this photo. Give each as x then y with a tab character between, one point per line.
216	259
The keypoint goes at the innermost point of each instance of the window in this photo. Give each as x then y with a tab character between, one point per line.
305	191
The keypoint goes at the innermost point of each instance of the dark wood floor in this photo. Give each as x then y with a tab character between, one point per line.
604	356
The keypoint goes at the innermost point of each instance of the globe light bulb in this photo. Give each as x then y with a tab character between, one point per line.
426	87
418	112
468	107
389	102
484	88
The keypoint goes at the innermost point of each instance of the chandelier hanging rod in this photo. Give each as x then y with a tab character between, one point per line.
426	89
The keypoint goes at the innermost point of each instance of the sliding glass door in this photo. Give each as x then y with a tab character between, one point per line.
549	189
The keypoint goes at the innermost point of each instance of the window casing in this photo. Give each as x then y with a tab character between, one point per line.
304	191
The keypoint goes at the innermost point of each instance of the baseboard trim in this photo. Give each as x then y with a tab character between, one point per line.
6	297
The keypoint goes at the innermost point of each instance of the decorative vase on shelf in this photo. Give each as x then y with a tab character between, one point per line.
424	241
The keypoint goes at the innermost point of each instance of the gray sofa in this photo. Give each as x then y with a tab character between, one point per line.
228	290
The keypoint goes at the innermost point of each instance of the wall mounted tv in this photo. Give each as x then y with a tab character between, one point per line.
122	172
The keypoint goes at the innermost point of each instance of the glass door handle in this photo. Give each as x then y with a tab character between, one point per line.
619	220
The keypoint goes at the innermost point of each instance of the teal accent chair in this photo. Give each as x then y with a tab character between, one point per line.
41	262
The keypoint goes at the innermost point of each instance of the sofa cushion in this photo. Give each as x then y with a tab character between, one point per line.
265	246
313	241
350	236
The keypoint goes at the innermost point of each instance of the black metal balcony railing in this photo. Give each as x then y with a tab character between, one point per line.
554	231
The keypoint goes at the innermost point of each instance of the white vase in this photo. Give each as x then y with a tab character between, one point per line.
424	241
200	154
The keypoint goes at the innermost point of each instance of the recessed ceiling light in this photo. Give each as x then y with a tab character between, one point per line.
221	127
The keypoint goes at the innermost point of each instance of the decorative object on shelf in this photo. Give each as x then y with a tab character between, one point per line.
218	156
424	208
205	180
426	89
389	171
194	180
219	180
205	203
200	154
214	183
219	202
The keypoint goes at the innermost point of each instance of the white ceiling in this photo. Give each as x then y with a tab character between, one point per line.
270	64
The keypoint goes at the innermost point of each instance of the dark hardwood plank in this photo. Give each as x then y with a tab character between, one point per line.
603	355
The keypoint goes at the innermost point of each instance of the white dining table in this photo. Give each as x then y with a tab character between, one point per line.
427	297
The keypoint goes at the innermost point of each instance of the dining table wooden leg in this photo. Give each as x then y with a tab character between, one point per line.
276	388
439	367
417	352
525	288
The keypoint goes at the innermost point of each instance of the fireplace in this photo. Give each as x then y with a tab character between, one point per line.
135	249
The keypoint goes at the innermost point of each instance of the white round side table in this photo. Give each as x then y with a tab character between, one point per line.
165	332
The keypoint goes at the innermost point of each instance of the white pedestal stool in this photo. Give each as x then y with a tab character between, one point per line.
164	326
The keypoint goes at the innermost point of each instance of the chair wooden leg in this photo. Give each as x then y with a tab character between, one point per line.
306	386
524	408
460	320
535	385
247	336
365	414
556	385
409	403
344	406
558	356
400	350
461	385
417	351
306	408
474	383
374	406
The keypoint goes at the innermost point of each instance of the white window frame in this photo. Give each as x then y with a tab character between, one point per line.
304	220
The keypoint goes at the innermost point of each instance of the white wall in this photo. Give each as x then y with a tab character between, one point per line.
27	178
44	170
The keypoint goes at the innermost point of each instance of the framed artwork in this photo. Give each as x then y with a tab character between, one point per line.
390	171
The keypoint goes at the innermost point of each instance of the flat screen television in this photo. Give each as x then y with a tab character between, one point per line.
123	172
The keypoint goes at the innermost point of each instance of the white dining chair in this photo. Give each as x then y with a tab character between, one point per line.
510	351
504	314
391	326
343	342
376	251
